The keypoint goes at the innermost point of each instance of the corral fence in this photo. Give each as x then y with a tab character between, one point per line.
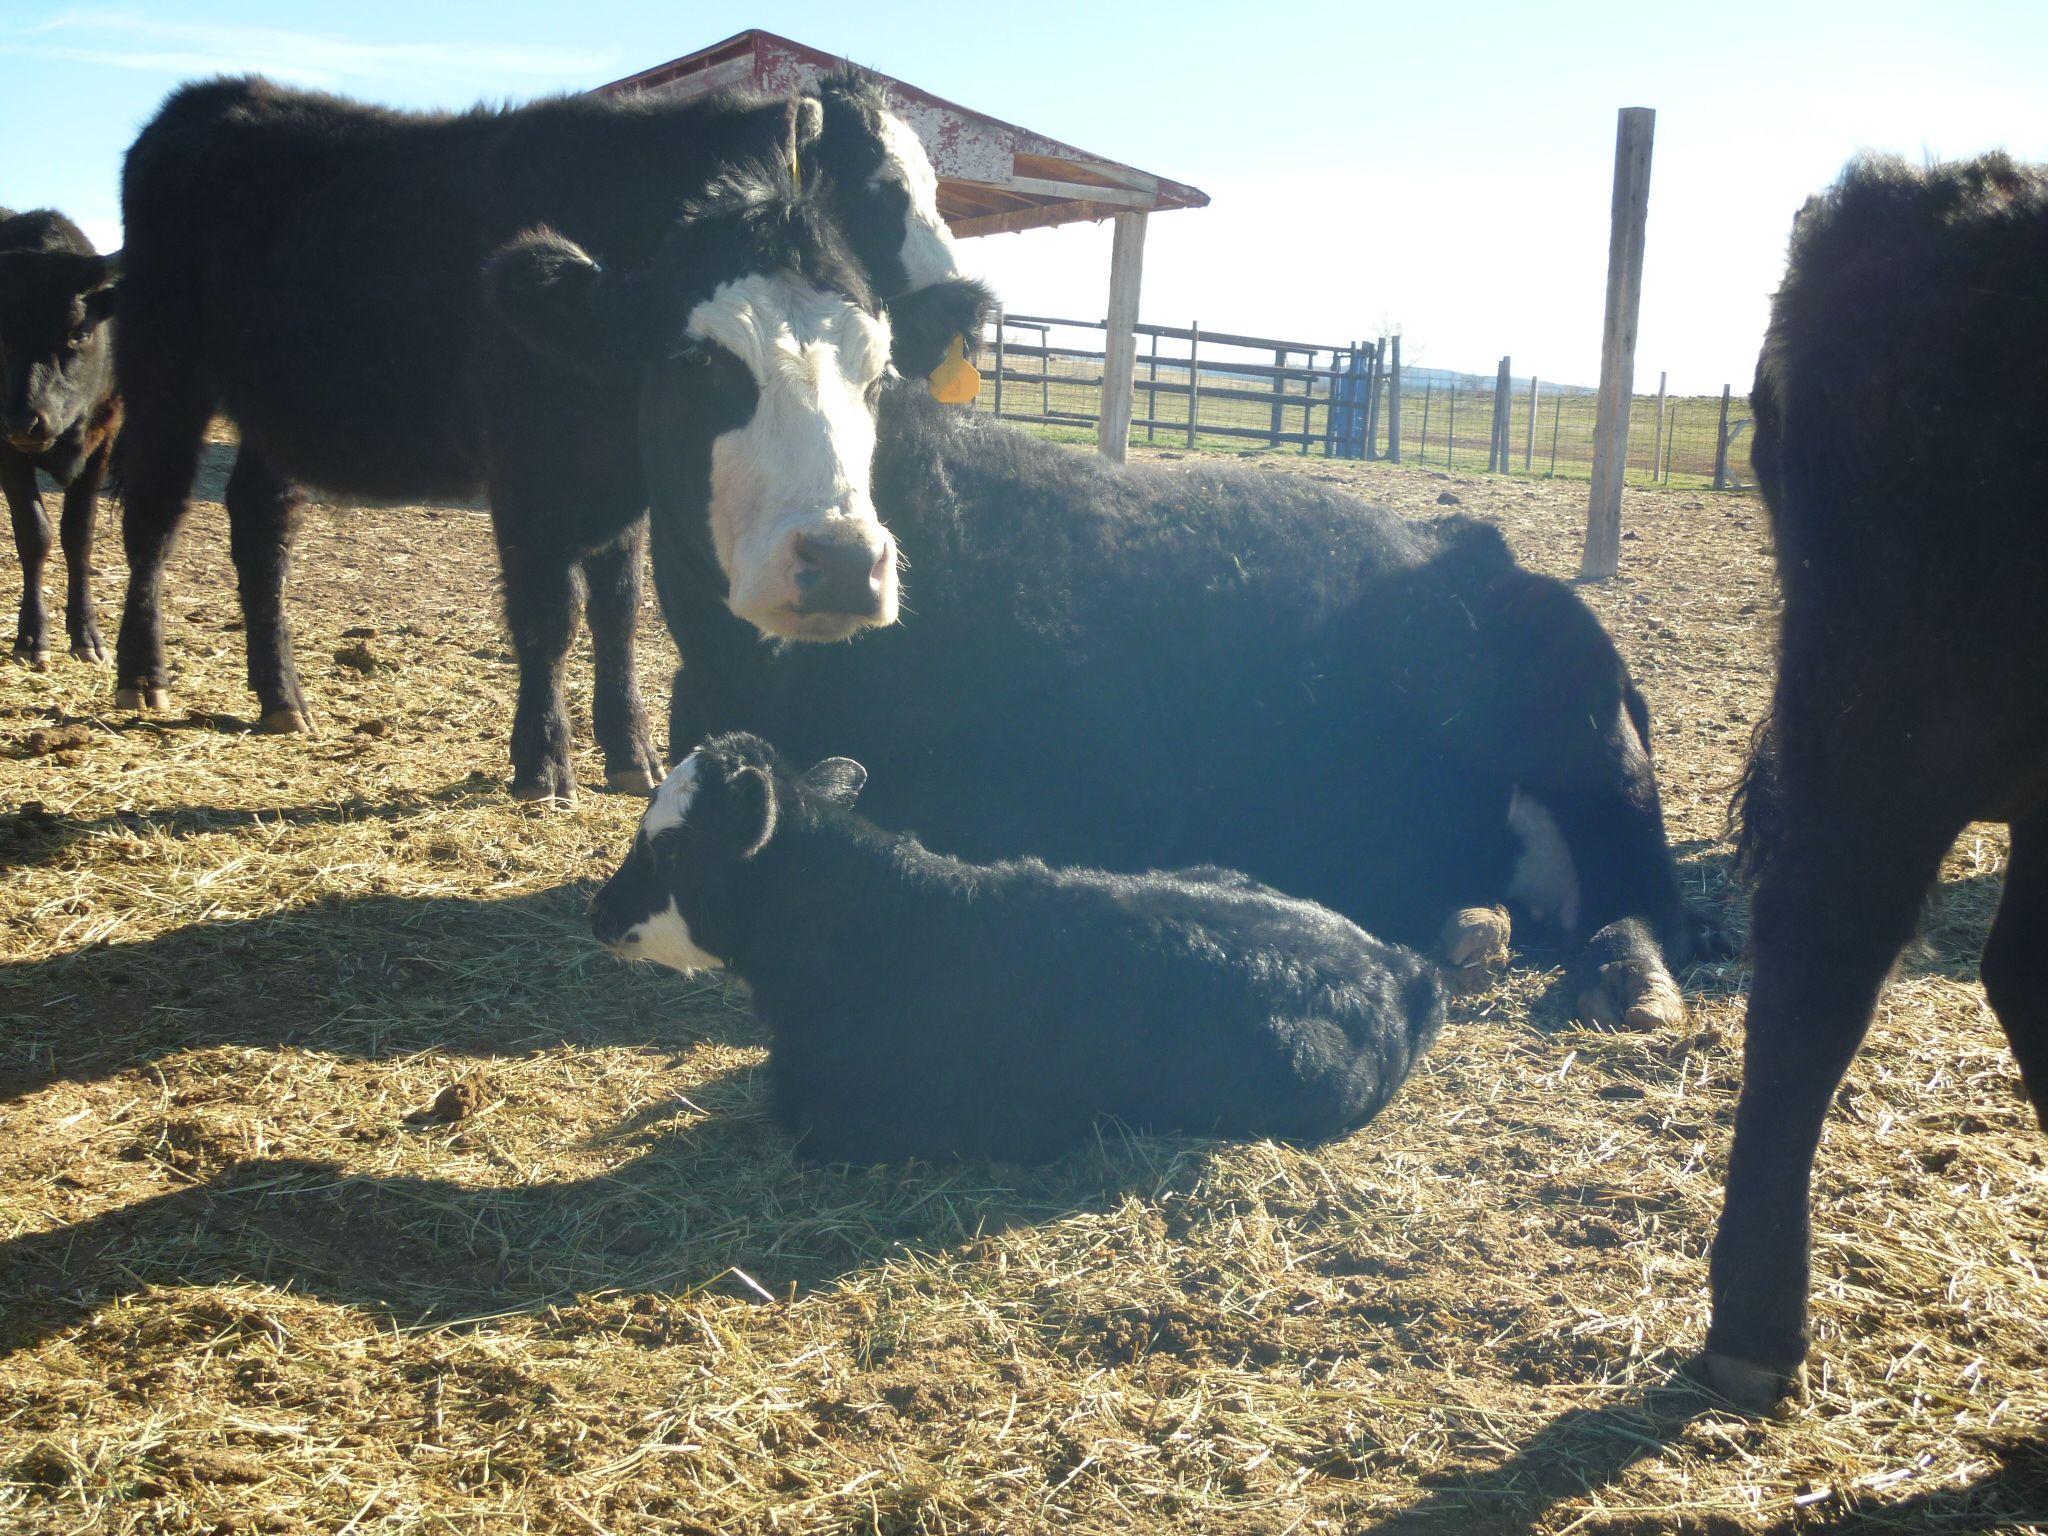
1222	389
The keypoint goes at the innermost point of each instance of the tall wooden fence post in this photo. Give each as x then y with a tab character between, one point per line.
1279	387
1506	396
1721	446
1529	443
1120	347
1629	217
1657	449
1194	377
1152	391
1394	402
999	363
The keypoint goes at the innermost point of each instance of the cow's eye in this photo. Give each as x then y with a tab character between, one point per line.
79	336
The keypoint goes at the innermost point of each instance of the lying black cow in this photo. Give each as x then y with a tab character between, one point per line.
1150	668
1899	406
312	267
59	412
927	1007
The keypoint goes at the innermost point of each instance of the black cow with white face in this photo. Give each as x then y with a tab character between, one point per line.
923	1006
313	268
59	411
1136	668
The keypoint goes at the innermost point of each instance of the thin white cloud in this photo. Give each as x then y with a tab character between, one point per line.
123	40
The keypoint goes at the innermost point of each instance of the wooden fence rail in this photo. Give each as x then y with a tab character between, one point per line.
1346	399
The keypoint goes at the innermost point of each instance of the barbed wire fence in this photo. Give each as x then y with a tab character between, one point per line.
1224	390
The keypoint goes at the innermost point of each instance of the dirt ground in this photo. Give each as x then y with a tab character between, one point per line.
345	1185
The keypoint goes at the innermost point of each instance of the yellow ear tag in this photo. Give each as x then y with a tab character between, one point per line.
955	381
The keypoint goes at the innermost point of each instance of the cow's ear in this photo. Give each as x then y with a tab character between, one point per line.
923	323
750	803
553	296
803	122
838	779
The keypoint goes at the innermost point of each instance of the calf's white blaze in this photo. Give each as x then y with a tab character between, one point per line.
671	801
929	255
802	465
665	939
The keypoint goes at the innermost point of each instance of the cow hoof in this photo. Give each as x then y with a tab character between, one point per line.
1474	945
1476	936
92	649
284	722
34	660
632	781
1759	1390
545	792
1632	994
139	698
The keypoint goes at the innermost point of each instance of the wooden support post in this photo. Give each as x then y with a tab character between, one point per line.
1152	394
1721	446
1506	395
1279	388
1629	219
1330	406
1529	443
1493	425
999	363
1120	346
1394	403
1194	377
1308	402
1657	447
1368	405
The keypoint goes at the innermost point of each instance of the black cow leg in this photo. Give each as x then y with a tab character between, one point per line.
263	519
2016	959
81	513
32	544
159	454
540	610
612	606
1834	906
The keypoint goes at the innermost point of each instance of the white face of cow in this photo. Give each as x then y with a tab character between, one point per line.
657	931
792	521
929	255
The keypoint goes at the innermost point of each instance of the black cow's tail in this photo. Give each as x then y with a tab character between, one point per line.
1756	814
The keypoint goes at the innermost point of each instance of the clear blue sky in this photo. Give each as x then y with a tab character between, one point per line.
1441	168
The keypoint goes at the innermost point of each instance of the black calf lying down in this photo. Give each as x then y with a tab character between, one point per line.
924	1006
1899	408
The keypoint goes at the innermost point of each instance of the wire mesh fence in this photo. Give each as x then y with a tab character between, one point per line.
1198	388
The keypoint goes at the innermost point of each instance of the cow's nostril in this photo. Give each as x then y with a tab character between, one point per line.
839	575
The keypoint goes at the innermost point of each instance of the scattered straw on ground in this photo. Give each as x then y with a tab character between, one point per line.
345	1185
